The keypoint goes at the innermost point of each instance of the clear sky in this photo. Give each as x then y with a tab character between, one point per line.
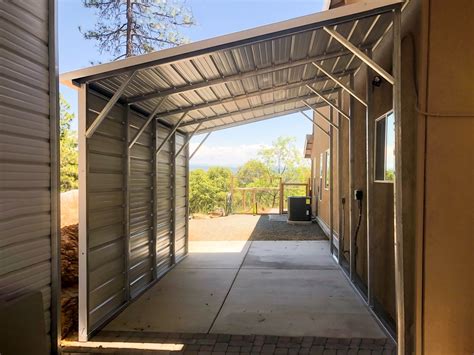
231	146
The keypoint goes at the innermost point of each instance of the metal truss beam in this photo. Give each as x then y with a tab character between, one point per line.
147	122
358	53
311	107
105	111
240	76
328	102
341	84
200	144
315	124
176	126
251	109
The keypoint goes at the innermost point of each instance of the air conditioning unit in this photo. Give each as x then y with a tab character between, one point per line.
299	209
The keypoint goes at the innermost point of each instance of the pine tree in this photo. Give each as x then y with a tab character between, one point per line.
125	28
68	148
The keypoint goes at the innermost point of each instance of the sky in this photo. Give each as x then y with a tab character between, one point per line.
228	147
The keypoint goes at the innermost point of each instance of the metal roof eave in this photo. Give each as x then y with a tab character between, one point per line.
254	35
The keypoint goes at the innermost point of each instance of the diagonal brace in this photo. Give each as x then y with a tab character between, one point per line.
315	123
188	140
358	53
328	102
341	84
321	114
145	125
199	146
158	150
105	111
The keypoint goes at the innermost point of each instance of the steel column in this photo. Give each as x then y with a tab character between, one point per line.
154	176
398	184
199	146
110	104
331	178
173	194
352	247
339	183
126	200
83	293
369	165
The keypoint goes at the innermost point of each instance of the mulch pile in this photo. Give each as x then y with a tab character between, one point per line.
69	279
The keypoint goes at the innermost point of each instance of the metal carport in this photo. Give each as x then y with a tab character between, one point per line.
137	115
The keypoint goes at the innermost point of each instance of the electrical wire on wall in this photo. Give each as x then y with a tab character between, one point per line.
359	204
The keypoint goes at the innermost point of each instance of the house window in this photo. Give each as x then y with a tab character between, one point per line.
385	147
321	162
328	169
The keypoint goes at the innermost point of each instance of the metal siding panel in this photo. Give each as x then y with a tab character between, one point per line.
164	204
25	153
181	186
105	210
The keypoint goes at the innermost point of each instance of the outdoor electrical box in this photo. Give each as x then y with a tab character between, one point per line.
299	209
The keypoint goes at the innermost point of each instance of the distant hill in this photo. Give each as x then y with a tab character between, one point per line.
206	167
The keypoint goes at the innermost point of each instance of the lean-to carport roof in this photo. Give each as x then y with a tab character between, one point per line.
245	76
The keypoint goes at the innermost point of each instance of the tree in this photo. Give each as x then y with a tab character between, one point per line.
68	148
131	27
208	189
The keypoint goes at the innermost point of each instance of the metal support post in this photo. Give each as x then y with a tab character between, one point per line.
369	164
339	183
154	201
105	111
331	185
126	199
398	184
173	194
352	247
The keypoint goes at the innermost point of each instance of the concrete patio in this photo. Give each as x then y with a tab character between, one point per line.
284	288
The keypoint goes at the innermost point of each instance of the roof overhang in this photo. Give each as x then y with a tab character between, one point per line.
246	76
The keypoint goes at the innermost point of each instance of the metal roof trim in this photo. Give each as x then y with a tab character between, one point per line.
253	35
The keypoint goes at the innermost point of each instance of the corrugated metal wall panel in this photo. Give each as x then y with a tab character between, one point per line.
25	153
164	203
181	221
106	259
141	206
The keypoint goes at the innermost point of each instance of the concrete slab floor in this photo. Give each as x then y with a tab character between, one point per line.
291	288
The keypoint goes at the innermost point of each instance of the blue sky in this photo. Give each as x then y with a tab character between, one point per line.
214	17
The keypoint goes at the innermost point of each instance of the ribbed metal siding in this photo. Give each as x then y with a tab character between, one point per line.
164	201
141	206
106	257
181	198
25	152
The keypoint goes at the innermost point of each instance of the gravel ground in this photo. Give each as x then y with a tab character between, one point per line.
248	227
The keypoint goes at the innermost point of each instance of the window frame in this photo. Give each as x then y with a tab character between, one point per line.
384	116
321	172
327	166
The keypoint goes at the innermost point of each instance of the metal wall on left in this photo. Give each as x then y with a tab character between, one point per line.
28	155
126	209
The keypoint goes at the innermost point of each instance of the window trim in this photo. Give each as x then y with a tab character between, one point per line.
321	173
384	116
327	182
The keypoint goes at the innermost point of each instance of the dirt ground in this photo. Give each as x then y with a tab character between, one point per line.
248	227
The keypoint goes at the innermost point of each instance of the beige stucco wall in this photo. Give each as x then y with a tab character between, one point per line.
445	236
